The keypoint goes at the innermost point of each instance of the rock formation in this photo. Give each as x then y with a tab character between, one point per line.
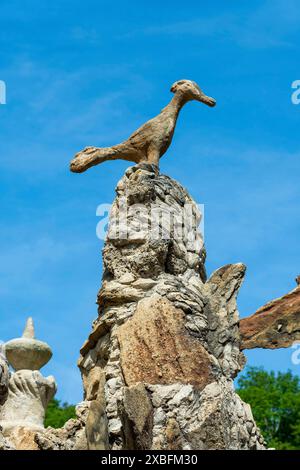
23	411
72	436
159	364
4	377
275	325
4	380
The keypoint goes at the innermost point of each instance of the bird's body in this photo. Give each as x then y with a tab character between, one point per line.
150	141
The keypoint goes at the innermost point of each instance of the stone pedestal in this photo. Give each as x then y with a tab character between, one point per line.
23	412
159	364
28	397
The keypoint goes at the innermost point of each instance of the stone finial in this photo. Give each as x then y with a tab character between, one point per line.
27	352
29	393
29	329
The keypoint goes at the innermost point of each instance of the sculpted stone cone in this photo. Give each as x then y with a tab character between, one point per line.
159	364
23	410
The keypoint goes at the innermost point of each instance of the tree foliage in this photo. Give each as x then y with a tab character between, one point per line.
57	414
275	403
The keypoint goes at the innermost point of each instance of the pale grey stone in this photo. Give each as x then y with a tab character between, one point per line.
185	415
29	393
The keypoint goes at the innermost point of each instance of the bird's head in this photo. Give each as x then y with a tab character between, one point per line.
191	91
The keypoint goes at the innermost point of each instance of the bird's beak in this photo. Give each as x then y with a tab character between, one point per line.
207	100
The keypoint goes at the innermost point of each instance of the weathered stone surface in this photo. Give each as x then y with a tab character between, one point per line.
71	437
275	325
137	417
148	263
23	412
158	366
4	382
21	438
166	343
4	378
223	317
4	443
27	352
156	337
149	142
29	394
211	419
96	423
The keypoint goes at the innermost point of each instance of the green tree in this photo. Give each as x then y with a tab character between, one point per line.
57	414
275	403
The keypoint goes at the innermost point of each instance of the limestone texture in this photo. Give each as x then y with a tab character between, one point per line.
4	381
28	392
159	364
4	377
27	352
275	325
71	437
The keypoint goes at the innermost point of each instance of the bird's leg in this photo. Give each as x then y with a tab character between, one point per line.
153	156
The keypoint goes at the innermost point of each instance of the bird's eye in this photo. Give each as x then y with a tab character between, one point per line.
181	82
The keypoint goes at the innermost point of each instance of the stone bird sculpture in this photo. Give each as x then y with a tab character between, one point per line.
150	141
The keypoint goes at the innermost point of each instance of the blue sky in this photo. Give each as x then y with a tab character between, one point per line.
89	73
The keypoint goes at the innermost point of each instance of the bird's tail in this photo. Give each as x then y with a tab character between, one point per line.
89	157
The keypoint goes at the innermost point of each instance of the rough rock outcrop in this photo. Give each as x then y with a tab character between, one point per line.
72	436
4	381
4	377
275	325
29	394
159	364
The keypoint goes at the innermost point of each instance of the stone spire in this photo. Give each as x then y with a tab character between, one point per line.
159	364
29	329
27	352
29	393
